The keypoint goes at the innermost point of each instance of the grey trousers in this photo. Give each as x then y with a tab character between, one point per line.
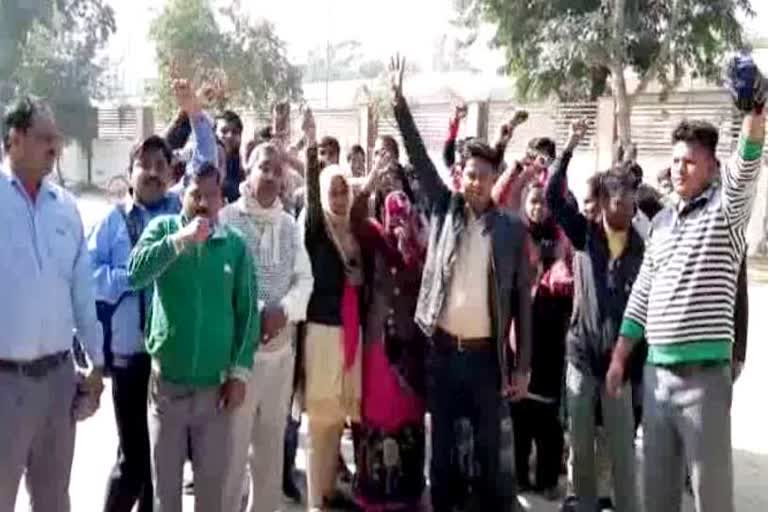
583	391
37	434
687	418
182	417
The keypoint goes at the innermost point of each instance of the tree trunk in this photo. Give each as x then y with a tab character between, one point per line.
620	95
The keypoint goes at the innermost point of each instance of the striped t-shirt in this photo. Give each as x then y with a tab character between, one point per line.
683	299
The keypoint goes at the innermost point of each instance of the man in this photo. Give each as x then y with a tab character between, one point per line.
123	310
356	161
47	293
475	288
285	284
608	253
200	337
229	128
328	151
683	303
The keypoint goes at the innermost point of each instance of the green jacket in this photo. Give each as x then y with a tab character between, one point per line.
201	328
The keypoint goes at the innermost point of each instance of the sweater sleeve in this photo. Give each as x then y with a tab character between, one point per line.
296	300
523	321
152	255
567	214
432	185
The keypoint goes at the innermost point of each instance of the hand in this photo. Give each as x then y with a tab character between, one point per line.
93	383
273	320
396	72
518	118
308	126
518	386
231	395
196	231
614	379
460	112
186	98
577	132
746	84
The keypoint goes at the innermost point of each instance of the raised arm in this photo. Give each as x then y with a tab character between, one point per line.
449	148
748	88
432	185
506	131
567	214
178	131
204	149
313	206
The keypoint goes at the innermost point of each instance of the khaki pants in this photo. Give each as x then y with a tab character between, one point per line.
332	397
259	429
37	435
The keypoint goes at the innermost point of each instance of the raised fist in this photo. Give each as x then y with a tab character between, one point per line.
744	82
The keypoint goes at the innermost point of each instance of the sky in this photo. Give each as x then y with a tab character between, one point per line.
382	26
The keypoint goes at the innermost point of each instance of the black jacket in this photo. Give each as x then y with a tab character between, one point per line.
601	286
510	299
327	266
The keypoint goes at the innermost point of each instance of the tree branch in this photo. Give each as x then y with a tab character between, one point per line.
664	51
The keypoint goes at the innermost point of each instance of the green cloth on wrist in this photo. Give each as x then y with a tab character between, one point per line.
750	150
631	329
705	351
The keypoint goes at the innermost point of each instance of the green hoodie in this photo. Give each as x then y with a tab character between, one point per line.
201	328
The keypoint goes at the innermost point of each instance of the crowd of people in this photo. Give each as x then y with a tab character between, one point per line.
243	286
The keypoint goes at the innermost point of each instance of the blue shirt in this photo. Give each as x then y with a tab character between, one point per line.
109	246
46	291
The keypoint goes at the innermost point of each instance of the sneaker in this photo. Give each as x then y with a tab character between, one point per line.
569	504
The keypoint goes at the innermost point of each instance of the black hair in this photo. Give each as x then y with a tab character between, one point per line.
151	143
206	170
264	135
476	148
391	145
355	149
544	145
593	186
702	133
231	118
378	201
331	143
633	169
615	182
19	116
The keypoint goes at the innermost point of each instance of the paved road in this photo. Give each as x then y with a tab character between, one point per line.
96	438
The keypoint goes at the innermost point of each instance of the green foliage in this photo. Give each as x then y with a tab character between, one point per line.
567	48
246	57
53	55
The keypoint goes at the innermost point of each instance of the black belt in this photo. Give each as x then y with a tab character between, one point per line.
36	368
447	341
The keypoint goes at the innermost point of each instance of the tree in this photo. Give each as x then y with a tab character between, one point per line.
343	60
245	56
581	49
449	55
51	51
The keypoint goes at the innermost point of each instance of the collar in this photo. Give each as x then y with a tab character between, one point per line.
683	207
165	205
45	187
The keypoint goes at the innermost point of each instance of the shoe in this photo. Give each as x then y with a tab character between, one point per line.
569	504
604	504
291	491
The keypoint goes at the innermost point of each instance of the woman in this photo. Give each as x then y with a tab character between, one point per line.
537	416
389	442
332	361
